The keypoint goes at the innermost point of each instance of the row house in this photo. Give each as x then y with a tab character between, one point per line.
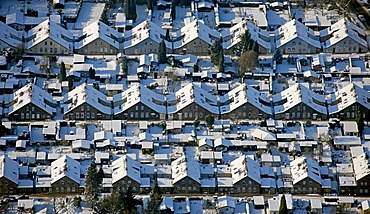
245	174
48	38
195	38
9	37
9	174
145	39
139	103
86	103
191	102
245	102
347	101
186	176
231	37
30	103
66	176
306	177
299	102
126	172
97	38
344	37
296	38
361	171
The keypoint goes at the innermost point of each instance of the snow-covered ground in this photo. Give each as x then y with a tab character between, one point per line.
89	13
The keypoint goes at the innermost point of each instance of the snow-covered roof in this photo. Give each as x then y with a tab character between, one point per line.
226	201
31	94
205	141
295	29
263	135
49	29
65	166
9	168
296	94
341	30
232	36
347	96
86	94
242	95
97	30
361	166
243	167
193	30
182	168
9	35
304	167
85	144
189	94
221	141
146	29
138	94
125	166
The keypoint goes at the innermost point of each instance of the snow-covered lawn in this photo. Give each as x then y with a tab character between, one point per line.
89	13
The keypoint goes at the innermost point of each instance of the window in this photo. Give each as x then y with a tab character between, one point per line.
196	108
136	114
136	108
142	108
51	43
88	115
82	108
185	115
46	43
92	115
82	115
87	108
190	114
77	115
142	114
33	108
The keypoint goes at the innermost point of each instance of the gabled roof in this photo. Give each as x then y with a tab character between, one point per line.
304	167
204	142
65	166
232	36
31	94
263	135
296	94
146	29
193	30
295	29
189	94
125	166
347	96
242	95
98	30
361	165
9	169
182	168
138	94
341	30
49	29
226	201
86	94
243	167
9	35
